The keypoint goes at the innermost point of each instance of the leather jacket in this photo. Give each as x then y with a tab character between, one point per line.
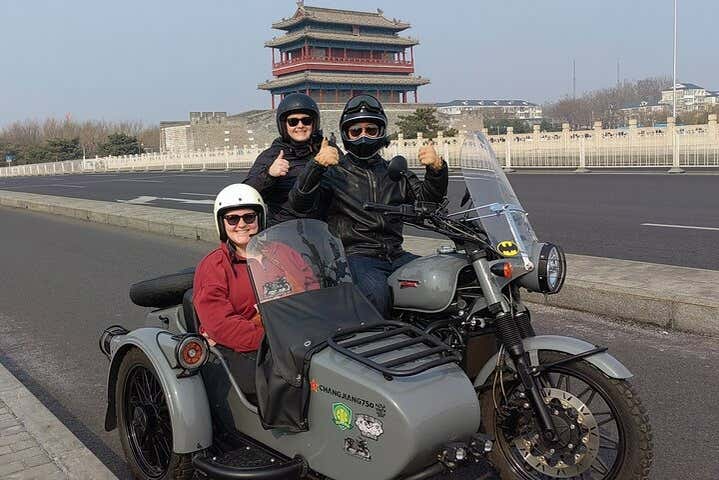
338	193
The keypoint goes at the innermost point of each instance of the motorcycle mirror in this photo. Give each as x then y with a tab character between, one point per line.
397	168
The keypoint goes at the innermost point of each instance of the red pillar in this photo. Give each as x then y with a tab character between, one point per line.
337	95
404	97
272	95
415	96
411	55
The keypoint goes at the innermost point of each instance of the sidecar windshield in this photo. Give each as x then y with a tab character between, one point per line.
294	257
495	204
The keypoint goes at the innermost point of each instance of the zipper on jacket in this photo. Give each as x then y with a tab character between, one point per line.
373	195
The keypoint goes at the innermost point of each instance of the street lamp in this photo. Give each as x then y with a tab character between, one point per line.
675	146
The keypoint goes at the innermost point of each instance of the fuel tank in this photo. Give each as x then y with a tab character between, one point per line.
427	284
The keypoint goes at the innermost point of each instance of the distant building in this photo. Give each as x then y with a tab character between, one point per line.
645	106
521	109
333	54
690	97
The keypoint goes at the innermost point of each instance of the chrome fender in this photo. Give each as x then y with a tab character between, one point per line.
603	361
186	397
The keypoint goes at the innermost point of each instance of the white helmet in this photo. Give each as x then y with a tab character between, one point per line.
238	195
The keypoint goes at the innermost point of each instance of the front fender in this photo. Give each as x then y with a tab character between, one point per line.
605	362
186	397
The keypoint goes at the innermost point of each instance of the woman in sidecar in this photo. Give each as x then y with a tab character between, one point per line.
340	392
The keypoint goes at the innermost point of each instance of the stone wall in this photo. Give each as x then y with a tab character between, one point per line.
210	130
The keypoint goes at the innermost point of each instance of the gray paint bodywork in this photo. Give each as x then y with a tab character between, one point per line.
437	275
603	361
186	397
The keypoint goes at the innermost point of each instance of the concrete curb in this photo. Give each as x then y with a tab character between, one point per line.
622	289
39	445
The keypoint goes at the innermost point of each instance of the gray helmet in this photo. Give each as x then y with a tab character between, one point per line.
364	108
297	103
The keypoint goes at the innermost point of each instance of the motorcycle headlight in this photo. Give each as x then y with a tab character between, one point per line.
551	268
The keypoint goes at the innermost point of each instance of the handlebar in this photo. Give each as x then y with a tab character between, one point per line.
404	209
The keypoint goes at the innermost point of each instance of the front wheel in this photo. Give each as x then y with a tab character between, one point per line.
602	428
144	422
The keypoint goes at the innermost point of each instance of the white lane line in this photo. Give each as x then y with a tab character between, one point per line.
201	176
137	180
199	194
691	227
62	185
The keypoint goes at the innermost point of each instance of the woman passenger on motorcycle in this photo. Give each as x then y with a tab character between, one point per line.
274	172
223	296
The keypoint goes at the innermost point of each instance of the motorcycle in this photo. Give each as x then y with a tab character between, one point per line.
458	375
558	407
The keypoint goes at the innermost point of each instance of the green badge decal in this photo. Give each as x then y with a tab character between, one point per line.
342	416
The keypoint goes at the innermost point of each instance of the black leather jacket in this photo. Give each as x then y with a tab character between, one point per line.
274	190
339	192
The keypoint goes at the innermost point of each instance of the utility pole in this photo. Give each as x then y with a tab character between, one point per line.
574	79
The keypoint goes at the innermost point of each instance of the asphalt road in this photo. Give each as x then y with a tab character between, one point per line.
64	281
598	214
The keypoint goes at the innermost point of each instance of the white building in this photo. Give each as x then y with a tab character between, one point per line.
521	109
690	97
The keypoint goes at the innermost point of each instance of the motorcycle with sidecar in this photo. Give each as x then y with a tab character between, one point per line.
456	376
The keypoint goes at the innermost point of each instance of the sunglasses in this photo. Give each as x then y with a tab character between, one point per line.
248	218
370	131
294	121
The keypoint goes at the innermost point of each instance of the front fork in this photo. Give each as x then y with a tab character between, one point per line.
510	331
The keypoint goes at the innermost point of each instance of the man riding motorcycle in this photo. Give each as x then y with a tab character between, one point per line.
337	188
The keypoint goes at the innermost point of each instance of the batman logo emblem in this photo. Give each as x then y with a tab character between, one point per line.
507	248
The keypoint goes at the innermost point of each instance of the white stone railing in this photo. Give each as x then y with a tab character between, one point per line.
670	146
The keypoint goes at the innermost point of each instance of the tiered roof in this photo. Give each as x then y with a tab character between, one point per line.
347	17
338	36
336	78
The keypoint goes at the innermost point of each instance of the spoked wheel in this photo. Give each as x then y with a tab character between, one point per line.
602	428
144	422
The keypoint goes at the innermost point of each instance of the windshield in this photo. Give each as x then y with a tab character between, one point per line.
295	257
495	204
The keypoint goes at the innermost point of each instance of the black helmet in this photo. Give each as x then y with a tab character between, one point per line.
368	109
297	103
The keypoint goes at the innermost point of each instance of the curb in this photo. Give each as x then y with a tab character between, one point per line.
620	289
40	445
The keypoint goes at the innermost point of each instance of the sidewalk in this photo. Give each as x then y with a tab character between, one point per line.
667	296
34	444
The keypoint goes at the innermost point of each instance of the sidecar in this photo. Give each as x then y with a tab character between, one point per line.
341	392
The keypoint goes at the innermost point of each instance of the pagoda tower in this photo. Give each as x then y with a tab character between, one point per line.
332	55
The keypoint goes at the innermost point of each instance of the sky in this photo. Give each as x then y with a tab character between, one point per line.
152	60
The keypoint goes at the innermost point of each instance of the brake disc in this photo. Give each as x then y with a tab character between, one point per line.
580	434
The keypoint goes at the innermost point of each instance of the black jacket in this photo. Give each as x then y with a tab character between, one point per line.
274	190
338	193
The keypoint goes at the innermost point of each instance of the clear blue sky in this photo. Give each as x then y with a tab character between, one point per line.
157	60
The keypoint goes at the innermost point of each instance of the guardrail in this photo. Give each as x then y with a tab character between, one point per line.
671	146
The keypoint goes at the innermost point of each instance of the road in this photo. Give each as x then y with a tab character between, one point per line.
635	216
64	281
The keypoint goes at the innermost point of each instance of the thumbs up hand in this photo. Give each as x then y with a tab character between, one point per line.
327	156
429	158
280	166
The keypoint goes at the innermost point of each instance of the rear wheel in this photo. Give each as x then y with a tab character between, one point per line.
603	430
144	422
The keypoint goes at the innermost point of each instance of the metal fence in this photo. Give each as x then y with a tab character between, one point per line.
669	146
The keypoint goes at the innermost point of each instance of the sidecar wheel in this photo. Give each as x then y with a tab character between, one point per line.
144	422
603	427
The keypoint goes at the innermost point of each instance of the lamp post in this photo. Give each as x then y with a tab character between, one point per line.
675	144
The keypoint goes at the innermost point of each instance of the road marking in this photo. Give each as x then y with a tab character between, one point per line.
144	200
62	185
691	227
137	180
199	194
201	176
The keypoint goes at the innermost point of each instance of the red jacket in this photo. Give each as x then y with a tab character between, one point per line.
225	301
